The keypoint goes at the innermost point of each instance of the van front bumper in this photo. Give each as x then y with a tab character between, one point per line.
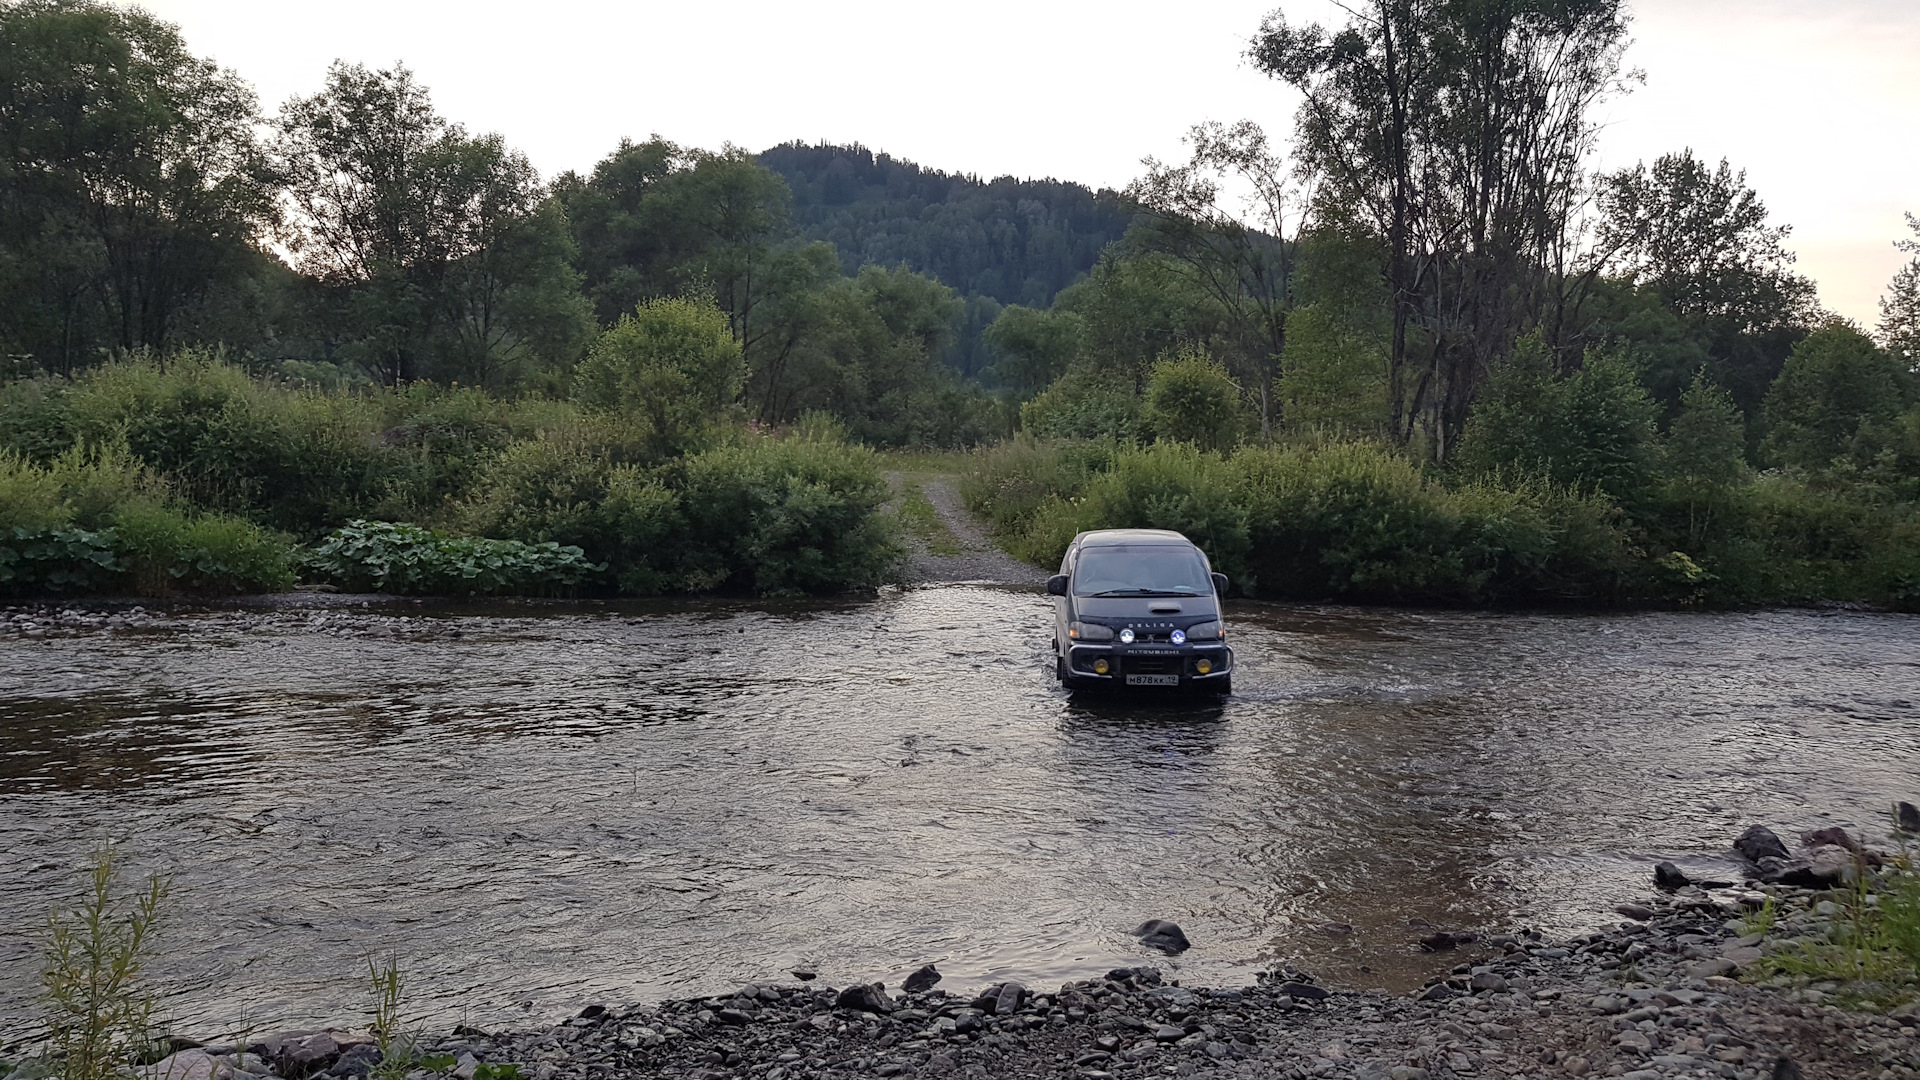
1157	660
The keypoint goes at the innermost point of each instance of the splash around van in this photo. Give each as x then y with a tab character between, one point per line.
1139	608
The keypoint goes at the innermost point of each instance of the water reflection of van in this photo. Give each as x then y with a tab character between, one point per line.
1139	607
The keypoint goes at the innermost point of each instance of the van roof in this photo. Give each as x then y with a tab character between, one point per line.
1113	537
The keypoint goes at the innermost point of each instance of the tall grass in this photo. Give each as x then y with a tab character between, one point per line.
1333	518
95	519
219	472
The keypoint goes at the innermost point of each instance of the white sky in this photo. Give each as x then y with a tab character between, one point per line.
1817	101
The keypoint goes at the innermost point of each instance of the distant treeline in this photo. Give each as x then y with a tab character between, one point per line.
1431	270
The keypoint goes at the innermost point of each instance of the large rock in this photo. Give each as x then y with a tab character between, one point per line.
1833	864
1834	836
190	1064
865	998
921	980
1759	842
1163	935
1797	873
1300	991
1007	1001
1907	816
1668	877
358	1060
296	1054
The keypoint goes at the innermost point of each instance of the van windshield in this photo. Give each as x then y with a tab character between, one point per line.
1157	570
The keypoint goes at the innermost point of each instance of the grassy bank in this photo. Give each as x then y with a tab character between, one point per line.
192	476
1356	520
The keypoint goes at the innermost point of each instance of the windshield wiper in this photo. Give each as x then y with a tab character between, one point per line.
1145	592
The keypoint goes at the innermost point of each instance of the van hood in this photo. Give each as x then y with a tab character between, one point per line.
1181	611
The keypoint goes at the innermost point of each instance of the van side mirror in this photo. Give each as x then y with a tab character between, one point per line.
1057	585
1220	584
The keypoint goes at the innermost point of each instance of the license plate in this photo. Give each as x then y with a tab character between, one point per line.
1153	680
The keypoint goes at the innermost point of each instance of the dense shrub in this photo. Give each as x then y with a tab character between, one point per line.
1591	430
1164	486
1349	520
97	521
382	556
1839	398
782	515
799	514
1008	484
1190	398
673	364
580	486
166	550
1354	519
1084	404
289	459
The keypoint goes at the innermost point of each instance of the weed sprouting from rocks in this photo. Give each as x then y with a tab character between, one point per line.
99	1012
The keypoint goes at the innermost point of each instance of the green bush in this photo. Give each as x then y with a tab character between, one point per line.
1190	398
290	459
166	551
382	556
1357	520
673	364
576	488
1163	486
1591	430
1351	520
783	516
1008	484
1084	404
97	521
799	514
1839	400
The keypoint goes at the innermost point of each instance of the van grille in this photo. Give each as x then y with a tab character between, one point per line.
1153	665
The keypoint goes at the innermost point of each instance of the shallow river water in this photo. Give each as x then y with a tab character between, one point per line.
536	807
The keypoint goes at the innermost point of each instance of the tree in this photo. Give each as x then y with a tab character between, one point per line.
1591	430
434	236
1035	346
673	362
1900	308
1191	399
1697	238
1138	308
630	246
1706	446
1241	258
1700	237
1456	132
1837	402
131	183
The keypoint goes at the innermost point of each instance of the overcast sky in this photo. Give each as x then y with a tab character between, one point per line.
1817	101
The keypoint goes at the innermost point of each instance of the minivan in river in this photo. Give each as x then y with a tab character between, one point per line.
1139	607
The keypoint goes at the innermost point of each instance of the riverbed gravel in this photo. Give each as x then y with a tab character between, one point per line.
1677	989
1655	998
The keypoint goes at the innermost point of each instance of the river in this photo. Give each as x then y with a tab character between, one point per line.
537	806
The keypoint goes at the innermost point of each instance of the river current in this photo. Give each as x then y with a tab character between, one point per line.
534	807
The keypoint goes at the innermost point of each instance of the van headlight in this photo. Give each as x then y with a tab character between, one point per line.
1084	631
1204	631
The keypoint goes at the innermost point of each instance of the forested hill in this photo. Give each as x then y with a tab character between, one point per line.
996	242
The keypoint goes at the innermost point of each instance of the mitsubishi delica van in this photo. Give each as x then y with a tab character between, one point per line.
1139	607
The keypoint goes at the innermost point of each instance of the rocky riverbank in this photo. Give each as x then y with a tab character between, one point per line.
1690	983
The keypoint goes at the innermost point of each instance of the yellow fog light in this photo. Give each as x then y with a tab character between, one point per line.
1100	667
1203	666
